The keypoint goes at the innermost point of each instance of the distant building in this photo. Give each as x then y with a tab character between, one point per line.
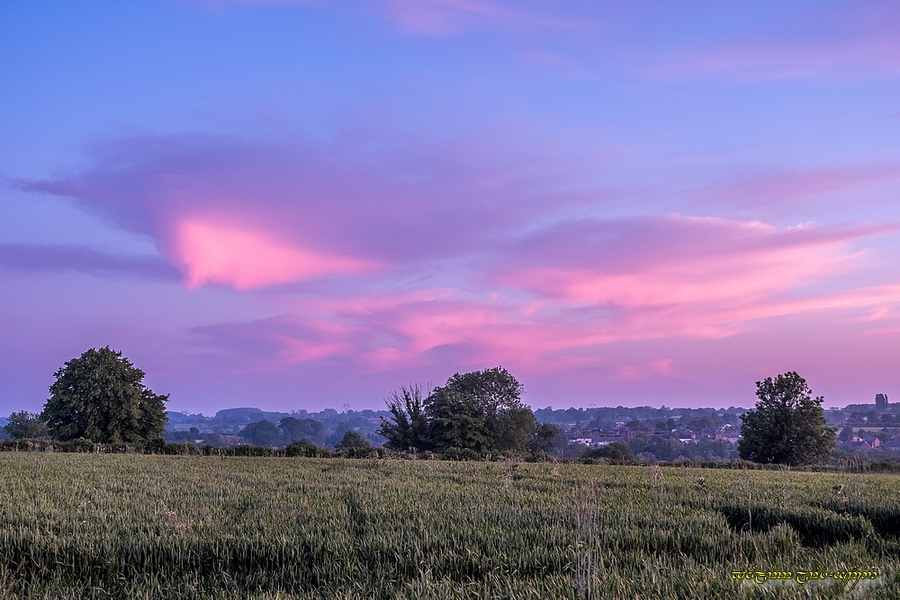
731	436
881	400
599	441
630	433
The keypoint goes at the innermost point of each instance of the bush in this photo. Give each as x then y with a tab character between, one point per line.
251	450
181	448
461	454
82	445
617	451
306	449
155	445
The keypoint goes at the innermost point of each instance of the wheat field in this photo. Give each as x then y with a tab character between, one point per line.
145	526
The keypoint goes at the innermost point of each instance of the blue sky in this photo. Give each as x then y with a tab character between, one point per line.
308	204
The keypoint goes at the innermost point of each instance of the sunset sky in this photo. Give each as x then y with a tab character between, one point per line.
304	204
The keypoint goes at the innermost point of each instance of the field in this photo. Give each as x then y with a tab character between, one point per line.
141	526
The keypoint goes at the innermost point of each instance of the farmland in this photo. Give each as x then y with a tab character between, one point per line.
146	526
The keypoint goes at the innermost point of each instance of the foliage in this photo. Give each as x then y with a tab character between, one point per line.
514	428
615	451
457	421
262	433
546	438
788	424
100	396
302	429
354	445
180	448
24	424
203	527
352	439
252	450
481	411
411	428
305	448
475	413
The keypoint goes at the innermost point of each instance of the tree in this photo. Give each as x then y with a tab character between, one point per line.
100	396
354	445
352	439
302	429
846	434
788	424
24	424
545	438
472	414
262	433
514	429
615	451
480	411
410	427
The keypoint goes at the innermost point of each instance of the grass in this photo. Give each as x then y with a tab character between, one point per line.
145	526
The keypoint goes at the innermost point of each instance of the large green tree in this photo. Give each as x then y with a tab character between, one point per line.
475	413
480	411
788	424
100	396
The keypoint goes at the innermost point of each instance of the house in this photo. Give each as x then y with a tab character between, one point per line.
728	435
706	435
873	442
632	433
598	441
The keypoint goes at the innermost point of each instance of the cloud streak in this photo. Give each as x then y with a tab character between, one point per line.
48	258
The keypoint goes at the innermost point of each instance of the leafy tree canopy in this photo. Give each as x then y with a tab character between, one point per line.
302	429
481	412
615	451
410	428
262	433
100	396
352	439
788	424
472	410
24	424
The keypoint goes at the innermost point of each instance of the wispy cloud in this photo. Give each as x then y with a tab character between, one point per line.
55	258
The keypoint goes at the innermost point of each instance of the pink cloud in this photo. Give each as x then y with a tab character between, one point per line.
663	366
687	276
244	258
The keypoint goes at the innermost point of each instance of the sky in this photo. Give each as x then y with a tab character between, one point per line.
308	204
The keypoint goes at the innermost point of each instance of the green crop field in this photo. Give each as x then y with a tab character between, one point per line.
142	526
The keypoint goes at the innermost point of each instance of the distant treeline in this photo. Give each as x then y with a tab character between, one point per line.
858	463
